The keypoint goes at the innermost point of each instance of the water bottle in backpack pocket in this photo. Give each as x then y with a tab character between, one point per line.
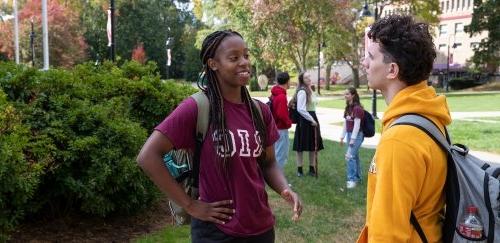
472	190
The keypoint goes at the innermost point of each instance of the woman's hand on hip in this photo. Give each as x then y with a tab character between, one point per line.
216	212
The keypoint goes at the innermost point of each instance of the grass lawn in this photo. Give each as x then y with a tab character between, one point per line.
456	102
477	135
331	212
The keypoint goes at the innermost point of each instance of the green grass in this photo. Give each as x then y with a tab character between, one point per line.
477	135
331	212
168	235
456	102
477	102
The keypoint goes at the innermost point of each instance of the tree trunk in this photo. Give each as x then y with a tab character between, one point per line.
355	76
328	74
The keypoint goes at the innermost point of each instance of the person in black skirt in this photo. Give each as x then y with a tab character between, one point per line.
307	132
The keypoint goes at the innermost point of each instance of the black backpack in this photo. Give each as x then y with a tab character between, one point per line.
368	125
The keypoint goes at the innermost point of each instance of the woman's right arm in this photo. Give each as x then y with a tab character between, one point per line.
150	159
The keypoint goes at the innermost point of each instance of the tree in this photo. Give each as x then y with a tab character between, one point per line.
66	43
486	18
348	44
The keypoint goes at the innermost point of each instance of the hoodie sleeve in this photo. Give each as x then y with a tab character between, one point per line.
281	108
400	173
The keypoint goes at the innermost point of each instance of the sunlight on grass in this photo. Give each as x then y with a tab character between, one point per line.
456	102
477	135
168	235
331	212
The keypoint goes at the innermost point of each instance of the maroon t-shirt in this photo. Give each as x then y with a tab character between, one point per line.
357	112
243	181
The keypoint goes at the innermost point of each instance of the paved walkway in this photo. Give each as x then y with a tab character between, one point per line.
331	120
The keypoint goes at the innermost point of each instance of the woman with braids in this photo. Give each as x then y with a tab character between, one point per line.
237	154
353	115
307	133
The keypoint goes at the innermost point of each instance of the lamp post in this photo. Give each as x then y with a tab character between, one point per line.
366	13
319	66
32	43
448	65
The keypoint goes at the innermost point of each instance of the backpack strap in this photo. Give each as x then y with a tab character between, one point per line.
203	113
259	109
202	121
432	130
426	126
419	230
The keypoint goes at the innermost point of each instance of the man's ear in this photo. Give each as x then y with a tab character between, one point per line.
393	71
211	64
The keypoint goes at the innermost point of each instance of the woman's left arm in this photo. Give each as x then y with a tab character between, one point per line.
276	180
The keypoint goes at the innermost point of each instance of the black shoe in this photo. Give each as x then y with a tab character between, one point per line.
300	172
312	171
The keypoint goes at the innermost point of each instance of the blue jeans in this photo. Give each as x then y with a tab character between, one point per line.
281	148
352	157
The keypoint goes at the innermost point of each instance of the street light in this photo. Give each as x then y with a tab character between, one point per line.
32	43
448	65
366	13
320	44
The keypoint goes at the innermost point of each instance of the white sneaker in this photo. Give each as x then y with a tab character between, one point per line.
351	184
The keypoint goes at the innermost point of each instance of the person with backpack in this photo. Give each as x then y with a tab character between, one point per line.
279	109
408	171
307	133
353	115
237	154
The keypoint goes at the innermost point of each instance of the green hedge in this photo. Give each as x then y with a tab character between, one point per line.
69	138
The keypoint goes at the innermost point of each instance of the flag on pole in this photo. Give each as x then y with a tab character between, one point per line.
108	27
169	57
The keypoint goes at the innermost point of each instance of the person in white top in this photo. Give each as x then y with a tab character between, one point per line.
307	132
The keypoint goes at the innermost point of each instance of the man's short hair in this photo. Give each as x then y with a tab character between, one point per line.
283	78
407	43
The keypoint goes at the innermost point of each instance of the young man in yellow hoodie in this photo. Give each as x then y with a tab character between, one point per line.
408	172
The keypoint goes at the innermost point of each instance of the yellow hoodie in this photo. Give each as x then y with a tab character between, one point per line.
408	172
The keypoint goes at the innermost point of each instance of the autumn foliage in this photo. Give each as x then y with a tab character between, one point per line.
139	54
67	45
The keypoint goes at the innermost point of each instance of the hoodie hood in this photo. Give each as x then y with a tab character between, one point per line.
277	90
419	98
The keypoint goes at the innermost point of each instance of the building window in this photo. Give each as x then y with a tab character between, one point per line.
468	3
474	45
458	4
457	45
442	47
452	4
447	5
442	30
442	6
459	28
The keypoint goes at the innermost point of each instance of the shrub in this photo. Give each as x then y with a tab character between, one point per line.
19	171
73	137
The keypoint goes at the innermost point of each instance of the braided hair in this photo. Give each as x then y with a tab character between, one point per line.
210	85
